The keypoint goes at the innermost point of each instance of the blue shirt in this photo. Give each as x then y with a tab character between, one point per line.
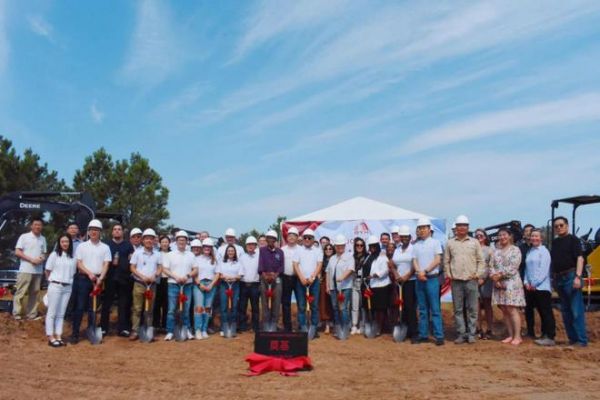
537	268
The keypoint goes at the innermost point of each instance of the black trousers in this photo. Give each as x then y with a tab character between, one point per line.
122	289
540	300
409	308
249	292
288	283
161	304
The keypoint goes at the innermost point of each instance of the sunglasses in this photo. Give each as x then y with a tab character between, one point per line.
479	235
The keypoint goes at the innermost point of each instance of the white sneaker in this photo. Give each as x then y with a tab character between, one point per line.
205	335
169	337
199	335
189	335
353	331
221	334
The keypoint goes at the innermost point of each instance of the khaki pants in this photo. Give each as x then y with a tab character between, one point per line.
25	300
139	302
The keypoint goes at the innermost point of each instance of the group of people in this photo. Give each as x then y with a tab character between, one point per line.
345	281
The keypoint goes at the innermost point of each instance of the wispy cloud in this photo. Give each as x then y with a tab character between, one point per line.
41	27
578	108
154	52
96	114
4	44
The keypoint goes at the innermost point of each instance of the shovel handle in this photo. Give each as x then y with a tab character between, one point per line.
94	303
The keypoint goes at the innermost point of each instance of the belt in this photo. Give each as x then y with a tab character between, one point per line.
61	283
85	275
565	272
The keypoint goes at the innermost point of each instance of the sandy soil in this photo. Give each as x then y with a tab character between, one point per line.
356	369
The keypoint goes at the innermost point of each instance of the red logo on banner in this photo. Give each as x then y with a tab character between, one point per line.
362	230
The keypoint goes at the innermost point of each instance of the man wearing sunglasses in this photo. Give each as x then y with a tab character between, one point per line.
566	267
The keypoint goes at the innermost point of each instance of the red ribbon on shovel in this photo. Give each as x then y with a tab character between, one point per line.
96	291
182	298
148	294
341	297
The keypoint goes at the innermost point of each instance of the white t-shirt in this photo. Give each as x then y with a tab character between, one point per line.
62	267
93	256
308	258
221	252
179	263
146	262
229	269
206	269
380	268
339	266
289	255
424	251
403	260
249	268
33	246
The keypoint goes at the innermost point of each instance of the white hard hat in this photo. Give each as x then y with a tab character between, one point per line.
181	234
372	240
395	229
271	233
230	232
293	231
404	230
308	232
135	231
208	242
461	219
95	224
196	243
340	240
454	225
423	222
251	240
149	232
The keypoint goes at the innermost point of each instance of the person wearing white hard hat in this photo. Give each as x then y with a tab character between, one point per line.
60	268
307	265
93	258
288	278
395	236
230	239
180	266
204	286
340	274
135	238
229	270
249	286
362	261
379	281
405	276
464	265
118	283
427	253
145	269
271	265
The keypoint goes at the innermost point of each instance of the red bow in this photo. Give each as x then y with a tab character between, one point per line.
310	298
590	281
182	298
95	291
229	292
399	302
368	293
341	297
260	364
269	293
3	291
148	294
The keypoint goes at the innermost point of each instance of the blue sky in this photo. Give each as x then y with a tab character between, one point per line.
251	110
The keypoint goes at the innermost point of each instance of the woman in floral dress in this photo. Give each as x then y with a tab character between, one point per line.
508	288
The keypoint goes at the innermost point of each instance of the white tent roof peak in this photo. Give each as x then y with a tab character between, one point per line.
360	208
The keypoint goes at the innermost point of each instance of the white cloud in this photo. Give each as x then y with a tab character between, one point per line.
41	27
155	52
578	108
4	44
96	114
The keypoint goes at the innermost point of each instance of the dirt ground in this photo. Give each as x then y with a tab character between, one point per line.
355	369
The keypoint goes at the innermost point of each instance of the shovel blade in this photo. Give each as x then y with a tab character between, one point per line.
269	326
229	330
146	334
312	331
95	335
179	333
341	332
399	333
370	330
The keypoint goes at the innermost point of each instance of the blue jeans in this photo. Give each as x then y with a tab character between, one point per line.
572	308
229	316
203	306
301	302
174	303
345	306
428	300
82	302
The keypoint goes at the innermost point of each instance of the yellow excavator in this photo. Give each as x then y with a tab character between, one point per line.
589	246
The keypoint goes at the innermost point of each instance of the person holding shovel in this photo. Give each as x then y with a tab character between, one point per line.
145	268
180	266
249	285
307	265
205	287
340	274
228	269
270	267
402	258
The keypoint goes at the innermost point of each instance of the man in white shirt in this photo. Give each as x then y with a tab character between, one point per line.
145	268
308	264
92	257
288	278
230	239
31	249
249	286
340	272
427	254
